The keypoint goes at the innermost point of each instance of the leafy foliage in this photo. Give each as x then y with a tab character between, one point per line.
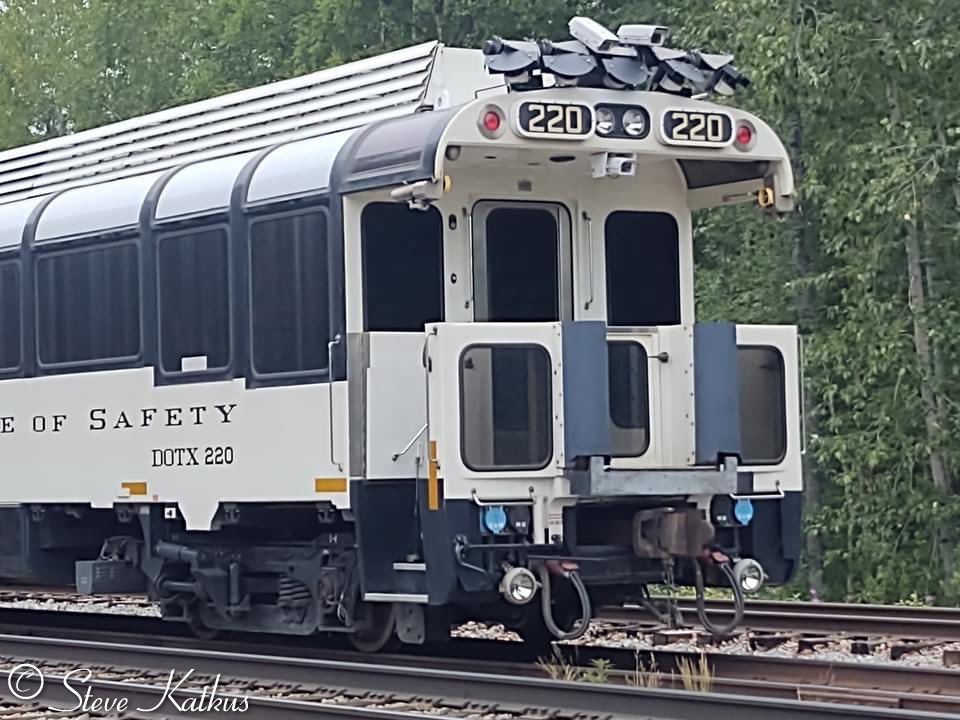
866	94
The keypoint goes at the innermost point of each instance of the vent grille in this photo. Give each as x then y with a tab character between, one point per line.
347	96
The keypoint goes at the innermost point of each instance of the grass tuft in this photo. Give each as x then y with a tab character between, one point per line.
696	675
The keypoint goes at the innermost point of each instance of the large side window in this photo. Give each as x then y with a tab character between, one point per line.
506	407
629	398
9	315
88	304
402	267
194	300
763	417
289	301
643	269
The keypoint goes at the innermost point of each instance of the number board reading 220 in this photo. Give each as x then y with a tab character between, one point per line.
564	121
696	127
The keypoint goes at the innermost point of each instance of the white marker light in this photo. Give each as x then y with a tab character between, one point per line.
519	586
634	123
605	121
749	575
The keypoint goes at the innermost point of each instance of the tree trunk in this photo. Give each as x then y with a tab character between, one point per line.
802	239
917	300
921	337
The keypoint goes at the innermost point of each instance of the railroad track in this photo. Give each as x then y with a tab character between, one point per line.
768	615
852	619
293	688
932	690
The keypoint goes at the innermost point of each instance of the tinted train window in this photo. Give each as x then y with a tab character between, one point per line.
402	267
290	307
763	416
523	265
629	398
194	292
88	304
9	315
643	269
506	407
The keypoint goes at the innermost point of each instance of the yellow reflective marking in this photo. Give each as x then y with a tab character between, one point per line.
433	483
329	485
135	488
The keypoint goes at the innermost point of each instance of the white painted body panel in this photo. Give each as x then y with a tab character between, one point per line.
201	187
279	437
397	405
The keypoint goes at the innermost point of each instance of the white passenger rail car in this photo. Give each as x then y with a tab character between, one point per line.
397	344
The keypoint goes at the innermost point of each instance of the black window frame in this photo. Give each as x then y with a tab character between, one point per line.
298	376
11	257
551	449
210	373
785	434
625	340
58	248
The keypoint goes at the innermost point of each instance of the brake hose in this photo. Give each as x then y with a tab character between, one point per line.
721	630
581	624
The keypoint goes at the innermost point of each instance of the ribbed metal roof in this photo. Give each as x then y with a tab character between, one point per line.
340	98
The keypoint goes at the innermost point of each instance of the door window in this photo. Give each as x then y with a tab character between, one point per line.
629	398
763	417
522	262
506	407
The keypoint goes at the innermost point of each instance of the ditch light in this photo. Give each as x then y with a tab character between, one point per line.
749	575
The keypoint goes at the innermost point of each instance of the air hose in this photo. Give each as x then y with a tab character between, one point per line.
583	622
721	630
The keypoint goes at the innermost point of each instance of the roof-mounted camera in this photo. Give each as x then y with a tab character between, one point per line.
636	58
643	35
598	38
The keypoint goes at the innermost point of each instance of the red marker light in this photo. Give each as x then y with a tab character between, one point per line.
744	135
491	121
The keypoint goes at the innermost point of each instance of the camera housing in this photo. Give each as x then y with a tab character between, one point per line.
614	164
643	34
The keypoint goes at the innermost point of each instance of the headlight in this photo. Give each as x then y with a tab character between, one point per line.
635	122
606	121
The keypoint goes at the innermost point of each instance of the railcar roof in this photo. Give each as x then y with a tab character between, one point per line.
347	96
275	142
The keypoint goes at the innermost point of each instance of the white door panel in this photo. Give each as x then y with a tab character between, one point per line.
489	425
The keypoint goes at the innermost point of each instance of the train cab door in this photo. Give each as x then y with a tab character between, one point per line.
521	262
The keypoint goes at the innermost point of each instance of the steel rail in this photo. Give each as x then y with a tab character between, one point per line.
797	672
457	688
890	620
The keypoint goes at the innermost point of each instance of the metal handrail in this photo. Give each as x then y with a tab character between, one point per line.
488	503
589	221
471	299
330	346
406	448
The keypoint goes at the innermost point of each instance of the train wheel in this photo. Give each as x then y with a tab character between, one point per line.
376	626
197	624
